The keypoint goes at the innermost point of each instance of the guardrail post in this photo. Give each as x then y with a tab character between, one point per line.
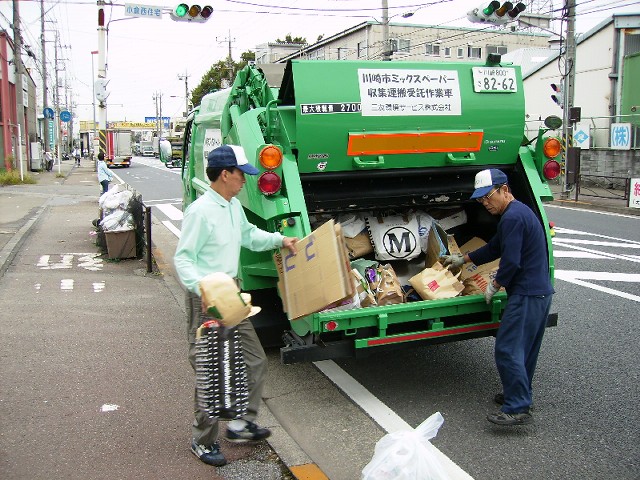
147	228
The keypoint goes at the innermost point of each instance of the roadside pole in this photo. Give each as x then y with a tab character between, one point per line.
102	77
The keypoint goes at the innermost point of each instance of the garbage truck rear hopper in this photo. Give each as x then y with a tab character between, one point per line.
374	137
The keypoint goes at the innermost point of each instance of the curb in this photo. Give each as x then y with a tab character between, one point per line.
10	250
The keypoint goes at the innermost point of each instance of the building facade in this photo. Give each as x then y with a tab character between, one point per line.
417	43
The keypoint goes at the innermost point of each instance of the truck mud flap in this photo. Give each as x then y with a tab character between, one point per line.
296	350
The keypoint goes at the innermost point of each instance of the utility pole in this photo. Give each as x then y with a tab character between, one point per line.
45	94
185	77
569	83
17	42
386	47
57	102
102	76
229	58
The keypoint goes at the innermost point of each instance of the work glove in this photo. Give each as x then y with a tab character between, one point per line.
454	260
490	292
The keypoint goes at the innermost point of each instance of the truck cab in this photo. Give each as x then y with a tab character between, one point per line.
339	137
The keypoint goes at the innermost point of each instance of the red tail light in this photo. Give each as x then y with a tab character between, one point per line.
269	183
551	170
331	325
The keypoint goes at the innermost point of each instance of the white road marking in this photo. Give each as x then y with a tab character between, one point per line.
592	211
631	258
170	211
98	286
575	254
599	243
172	228
66	284
576	277
87	261
379	412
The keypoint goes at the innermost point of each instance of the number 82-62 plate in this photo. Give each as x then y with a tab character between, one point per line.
494	79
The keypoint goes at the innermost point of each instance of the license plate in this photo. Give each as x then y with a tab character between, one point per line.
494	79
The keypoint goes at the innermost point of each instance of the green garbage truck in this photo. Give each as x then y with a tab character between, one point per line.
337	137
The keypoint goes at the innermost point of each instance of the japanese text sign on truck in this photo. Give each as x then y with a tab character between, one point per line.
333	139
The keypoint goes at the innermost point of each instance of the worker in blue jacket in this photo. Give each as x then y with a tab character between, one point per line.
521	246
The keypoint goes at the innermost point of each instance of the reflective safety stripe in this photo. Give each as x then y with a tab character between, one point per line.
439	333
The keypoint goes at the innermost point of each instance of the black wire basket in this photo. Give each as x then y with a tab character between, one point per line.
221	373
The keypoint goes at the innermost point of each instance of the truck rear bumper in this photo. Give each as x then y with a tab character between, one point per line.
296	350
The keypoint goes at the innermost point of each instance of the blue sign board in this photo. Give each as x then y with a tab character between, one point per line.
65	116
166	121
48	112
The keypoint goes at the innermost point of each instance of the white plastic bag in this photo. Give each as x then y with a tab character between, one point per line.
407	455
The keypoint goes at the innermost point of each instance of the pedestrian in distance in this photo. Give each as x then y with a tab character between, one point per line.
104	174
524	273
48	161
214	229
76	156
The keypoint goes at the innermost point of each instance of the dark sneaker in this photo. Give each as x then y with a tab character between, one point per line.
250	433
510	419
209	455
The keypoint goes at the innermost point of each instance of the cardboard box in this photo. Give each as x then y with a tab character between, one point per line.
318	275
470	269
121	244
476	277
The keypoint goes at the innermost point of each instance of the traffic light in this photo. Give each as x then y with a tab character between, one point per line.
558	96
494	12
183	12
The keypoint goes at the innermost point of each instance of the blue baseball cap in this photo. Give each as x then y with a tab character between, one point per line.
486	180
230	156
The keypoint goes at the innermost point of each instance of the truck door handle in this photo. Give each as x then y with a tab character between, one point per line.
468	158
372	164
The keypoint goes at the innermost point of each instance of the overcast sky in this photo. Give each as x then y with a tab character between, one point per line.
145	56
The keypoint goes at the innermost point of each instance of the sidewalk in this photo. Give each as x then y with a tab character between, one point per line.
95	379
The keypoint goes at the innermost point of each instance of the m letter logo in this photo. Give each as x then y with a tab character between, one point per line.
399	242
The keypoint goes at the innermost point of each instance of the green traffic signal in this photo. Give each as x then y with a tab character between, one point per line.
184	12
181	10
492	7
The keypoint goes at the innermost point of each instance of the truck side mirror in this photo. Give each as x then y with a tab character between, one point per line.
553	122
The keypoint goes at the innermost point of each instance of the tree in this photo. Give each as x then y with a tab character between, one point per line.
288	39
213	80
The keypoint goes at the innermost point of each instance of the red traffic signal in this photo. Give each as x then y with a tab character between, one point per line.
184	12
496	13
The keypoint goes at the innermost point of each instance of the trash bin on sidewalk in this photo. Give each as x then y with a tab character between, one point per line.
121	244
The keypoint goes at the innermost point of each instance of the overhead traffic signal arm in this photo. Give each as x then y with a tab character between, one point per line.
496	13
184	12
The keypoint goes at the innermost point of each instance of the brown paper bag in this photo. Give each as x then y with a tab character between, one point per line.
388	289
359	246
436	282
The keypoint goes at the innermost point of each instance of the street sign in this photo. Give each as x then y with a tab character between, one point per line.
146	11
620	136
634	193
65	116
48	112
582	135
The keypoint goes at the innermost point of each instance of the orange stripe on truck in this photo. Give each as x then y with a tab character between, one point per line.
413	142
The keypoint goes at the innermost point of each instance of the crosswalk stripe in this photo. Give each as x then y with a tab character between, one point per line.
170	211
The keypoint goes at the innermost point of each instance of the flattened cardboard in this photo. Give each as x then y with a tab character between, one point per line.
318	275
